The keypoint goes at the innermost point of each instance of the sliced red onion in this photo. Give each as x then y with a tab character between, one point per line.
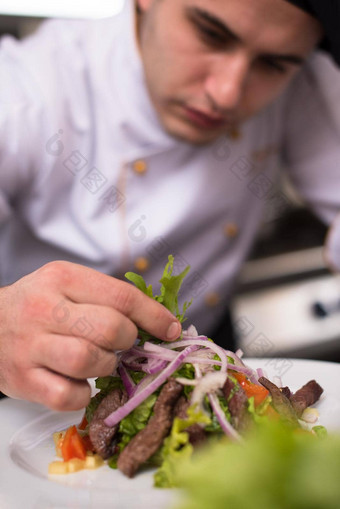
197	371
206	384
144	383
191	331
154	366
203	338
260	372
224	423
186	381
238	361
127	380
159	352
245	371
131	361
135	366
164	354
239	353
202	342
116	416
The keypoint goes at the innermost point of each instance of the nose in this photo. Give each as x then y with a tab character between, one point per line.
225	83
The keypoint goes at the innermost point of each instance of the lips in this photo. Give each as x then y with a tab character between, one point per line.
203	119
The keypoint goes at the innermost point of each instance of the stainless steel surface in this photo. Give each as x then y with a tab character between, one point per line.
281	266
281	321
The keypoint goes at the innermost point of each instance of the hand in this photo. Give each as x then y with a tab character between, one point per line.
62	324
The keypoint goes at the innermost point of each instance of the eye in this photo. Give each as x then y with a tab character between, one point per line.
273	65
210	35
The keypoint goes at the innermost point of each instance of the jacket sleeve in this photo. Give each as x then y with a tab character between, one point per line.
312	145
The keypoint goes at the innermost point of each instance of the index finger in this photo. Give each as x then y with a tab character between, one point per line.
87	286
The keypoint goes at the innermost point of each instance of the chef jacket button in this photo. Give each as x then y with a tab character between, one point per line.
212	299
230	230
235	134
141	264
140	166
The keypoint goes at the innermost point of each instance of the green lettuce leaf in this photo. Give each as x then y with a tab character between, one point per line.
132	424
170	287
259	412
139	282
177	448
137	420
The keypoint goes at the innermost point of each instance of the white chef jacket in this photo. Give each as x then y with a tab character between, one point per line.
88	174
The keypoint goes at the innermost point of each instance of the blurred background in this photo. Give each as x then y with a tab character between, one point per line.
287	302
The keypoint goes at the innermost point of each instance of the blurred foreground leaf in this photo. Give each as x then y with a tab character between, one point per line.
275	468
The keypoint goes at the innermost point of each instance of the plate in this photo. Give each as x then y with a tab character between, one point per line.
25	458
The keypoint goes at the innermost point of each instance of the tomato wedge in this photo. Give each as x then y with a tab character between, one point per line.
258	392
73	445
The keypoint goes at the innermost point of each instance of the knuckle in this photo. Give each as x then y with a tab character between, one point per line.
59	396
109	365
113	332
125	298
36	306
78	360
122	331
68	395
95	354
56	273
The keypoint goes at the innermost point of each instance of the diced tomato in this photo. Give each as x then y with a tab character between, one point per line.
252	390
83	423
73	445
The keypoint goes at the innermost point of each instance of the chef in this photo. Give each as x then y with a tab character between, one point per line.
159	131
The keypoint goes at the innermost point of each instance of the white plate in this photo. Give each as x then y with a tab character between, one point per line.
25	455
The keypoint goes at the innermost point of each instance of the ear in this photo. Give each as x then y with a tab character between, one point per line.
144	4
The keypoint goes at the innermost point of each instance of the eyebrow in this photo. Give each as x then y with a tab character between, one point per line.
222	27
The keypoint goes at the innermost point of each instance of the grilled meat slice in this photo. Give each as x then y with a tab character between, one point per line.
280	402
148	440
306	396
286	391
238	406
196	433
101	435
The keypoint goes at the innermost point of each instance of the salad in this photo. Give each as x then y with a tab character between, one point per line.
166	400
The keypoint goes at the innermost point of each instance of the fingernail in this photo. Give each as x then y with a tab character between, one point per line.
174	331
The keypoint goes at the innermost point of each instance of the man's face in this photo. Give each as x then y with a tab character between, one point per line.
211	64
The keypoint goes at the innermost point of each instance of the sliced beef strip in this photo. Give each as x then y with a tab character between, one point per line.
280	402
197	434
306	396
228	388
286	391
238	406
101	435
148	440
